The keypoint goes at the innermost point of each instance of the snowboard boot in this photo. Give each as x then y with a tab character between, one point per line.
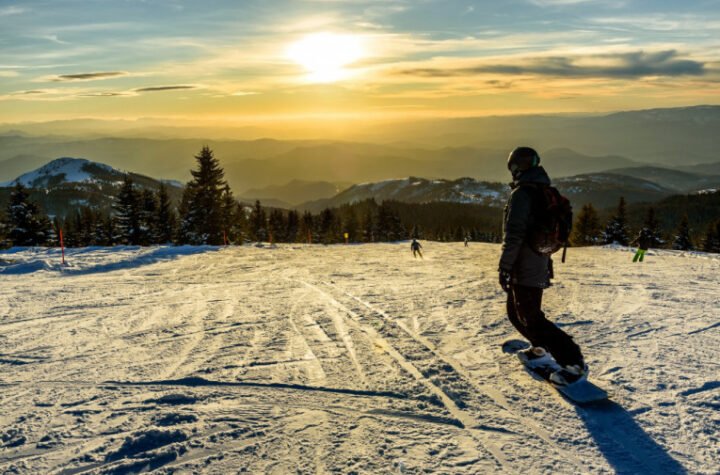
568	375
535	357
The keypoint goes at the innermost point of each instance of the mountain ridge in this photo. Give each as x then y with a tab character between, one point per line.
64	184
434	148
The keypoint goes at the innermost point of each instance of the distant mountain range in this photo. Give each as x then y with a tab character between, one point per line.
676	180
275	163
600	189
64	184
417	190
682	138
604	190
293	193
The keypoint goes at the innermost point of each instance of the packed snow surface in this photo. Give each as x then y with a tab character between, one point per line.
348	359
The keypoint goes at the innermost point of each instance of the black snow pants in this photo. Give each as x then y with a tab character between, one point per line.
524	311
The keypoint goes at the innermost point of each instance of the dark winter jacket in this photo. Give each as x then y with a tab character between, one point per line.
644	240
527	267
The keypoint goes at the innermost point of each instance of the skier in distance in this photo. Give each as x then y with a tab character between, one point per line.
525	273
644	239
415	247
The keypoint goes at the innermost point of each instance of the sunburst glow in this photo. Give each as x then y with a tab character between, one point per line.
326	56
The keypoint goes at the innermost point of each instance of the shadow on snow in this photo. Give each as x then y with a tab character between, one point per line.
625	445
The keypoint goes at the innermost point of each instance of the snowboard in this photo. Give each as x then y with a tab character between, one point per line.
581	392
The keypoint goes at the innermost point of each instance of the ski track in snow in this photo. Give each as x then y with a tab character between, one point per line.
348	359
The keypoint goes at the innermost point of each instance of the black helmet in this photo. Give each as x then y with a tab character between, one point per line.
521	159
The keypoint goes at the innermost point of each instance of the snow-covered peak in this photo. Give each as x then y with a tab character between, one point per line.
422	190
67	170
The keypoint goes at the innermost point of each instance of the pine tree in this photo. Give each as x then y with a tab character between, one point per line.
166	218
229	216
293	226
616	230
682	237
369	227
307	228
87	226
653	228
389	224
241	230
183	228
4	230
258	223
53	239
586	230
326	225
459	234
202	218
70	230
127	208
149	233
277	226
26	225
711	242
384	223
105	230
350	226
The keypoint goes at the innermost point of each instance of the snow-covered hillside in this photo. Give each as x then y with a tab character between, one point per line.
419	190
68	170
64	184
600	189
348	359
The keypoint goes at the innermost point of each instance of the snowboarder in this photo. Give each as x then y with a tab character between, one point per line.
644	239
466	241
415	247
524	273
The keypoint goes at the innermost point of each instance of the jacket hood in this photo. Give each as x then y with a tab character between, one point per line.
533	175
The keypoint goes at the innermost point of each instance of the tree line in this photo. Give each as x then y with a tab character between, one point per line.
209	214
588	231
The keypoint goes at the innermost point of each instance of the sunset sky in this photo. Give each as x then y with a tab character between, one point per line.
252	59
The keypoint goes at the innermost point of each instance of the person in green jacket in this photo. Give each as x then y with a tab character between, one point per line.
644	239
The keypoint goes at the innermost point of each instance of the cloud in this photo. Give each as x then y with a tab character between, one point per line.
12	10
38	95
102	94
54	39
551	3
497	84
88	76
163	88
567	3
618	65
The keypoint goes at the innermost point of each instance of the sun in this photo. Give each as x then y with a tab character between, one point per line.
325	56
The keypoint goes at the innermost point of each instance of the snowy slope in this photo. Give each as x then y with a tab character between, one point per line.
348	359
67	170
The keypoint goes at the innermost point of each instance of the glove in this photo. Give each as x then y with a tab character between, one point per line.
505	280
